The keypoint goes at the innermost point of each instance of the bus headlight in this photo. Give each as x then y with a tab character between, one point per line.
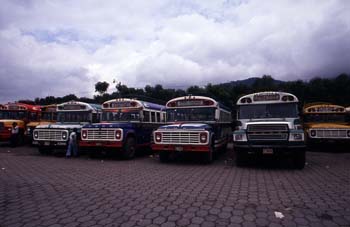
118	134
158	137
241	137
64	135
313	133
296	136
83	134
203	137
36	135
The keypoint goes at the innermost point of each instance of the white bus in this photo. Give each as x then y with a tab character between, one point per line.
268	123
70	115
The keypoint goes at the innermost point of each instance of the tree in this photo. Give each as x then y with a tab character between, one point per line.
101	87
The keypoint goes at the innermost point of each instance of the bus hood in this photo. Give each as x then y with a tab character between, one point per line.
109	125
59	126
268	122
8	123
329	125
186	126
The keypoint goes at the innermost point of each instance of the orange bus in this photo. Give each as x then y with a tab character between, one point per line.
20	113
48	116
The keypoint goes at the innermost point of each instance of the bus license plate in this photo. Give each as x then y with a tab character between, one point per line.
98	144
267	151
179	148
46	143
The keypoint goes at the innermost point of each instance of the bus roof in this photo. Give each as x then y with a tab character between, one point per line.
130	103
78	106
194	101
20	107
267	97
323	108
49	108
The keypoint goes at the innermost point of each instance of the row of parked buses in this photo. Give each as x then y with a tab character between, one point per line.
267	123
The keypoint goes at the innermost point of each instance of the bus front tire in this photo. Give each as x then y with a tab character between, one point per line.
208	156
43	151
299	159
164	156
129	148
241	158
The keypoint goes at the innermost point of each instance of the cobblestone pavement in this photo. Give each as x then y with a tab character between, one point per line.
52	191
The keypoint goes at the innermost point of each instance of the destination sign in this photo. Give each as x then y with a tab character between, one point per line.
13	107
183	103
122	104
324	109
72	107
266	97
50	109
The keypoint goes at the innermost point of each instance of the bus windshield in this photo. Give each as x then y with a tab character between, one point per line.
191	114
48	116
74	116
325	118
16	115
121	116
277	110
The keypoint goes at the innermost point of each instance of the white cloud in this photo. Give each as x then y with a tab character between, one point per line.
61	47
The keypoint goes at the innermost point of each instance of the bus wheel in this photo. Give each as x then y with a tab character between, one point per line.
208	156
241	158
299	159
164	156
129	148
43	150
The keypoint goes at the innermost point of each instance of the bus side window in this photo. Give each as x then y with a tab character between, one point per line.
146	116
153	117
158	117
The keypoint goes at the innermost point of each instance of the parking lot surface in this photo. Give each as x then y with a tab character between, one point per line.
38	190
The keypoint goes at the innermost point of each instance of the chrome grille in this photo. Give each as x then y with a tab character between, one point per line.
331	133
264	132
180	137
100	134
267	128
50	134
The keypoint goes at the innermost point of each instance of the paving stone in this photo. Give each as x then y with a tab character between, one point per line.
52	191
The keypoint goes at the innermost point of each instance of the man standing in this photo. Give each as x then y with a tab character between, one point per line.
72	144
14	134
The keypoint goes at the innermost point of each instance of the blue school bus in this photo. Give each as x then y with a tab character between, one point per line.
126	125
197	124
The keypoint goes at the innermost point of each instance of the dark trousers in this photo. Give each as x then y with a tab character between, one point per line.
14	140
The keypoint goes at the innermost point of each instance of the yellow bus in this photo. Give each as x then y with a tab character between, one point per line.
325	123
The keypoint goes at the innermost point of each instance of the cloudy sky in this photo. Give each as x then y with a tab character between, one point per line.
58	47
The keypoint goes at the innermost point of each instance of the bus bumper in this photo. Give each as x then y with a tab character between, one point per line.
104	144
180	148
51	144
5	136
275	149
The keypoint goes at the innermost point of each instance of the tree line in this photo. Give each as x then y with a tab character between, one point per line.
333	90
